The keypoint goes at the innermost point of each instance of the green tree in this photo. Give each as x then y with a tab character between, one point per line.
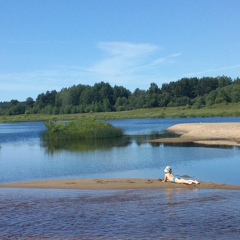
46	99
152	95
17	109
235	92
29	102
119	91
164	99
137	99
183	101
222	96
224	81
200	102
206	85
87	96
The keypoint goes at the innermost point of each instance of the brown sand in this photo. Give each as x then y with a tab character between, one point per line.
205	133
114	184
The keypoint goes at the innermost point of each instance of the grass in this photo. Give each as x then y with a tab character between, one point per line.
81	129
220	110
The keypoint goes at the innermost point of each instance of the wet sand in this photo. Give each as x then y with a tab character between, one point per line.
114	184
205	133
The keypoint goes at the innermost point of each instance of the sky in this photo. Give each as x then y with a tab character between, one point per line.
48	45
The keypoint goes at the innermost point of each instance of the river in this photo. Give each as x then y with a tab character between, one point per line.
133	214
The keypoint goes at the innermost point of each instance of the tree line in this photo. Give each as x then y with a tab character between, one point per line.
102	97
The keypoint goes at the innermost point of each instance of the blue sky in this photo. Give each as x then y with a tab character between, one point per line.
52	44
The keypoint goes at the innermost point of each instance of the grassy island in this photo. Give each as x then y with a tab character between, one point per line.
81	129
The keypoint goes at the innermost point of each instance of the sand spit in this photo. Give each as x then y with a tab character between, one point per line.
205	133
114	184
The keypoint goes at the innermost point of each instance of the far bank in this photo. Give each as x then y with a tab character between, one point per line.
220	110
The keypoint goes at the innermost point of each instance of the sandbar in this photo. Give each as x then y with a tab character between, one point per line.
205	133
114	184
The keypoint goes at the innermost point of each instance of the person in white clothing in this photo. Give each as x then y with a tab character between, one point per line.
169	177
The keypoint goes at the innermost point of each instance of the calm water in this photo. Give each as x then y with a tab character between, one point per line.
25	157
155	214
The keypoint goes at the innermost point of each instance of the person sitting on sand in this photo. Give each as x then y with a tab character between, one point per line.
169	177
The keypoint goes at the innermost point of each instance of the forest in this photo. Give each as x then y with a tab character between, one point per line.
102	97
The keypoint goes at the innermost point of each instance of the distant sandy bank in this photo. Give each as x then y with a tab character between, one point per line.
205	133
114	184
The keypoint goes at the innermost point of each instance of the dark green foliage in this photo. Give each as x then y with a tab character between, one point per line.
84	129
102	97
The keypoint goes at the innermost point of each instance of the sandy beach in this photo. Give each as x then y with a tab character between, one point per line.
114	184
205	133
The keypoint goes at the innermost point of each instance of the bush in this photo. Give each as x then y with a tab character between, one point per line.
84	129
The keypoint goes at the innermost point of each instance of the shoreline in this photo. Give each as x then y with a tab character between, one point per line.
115	184
225	134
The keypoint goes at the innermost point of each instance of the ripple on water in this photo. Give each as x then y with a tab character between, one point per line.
132	214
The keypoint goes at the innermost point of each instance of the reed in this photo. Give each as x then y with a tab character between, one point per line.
82	129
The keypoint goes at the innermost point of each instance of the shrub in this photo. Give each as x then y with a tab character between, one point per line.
84	129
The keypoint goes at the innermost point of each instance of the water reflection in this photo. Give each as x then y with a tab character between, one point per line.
102	144
192	144
85	145
57	146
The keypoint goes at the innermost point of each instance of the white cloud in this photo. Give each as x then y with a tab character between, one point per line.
212	71
121	58
129	63
126	49
121	63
